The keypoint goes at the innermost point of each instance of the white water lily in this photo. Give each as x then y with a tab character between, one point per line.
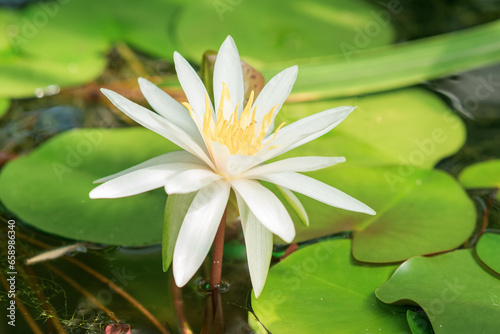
226	148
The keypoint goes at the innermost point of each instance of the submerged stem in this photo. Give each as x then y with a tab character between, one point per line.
179	309
22	309
484	225
218	247
216	272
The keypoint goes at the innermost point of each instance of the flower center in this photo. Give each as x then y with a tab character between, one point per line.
240	134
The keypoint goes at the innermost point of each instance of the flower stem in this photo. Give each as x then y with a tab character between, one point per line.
484	225
179	309
215	276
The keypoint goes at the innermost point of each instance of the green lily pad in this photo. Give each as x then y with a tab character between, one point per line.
423	213
301	30
20	77
49	188
488	250
146	27
60	32
408	127
455	292
321	289
39	47
55	43
482	175
388	149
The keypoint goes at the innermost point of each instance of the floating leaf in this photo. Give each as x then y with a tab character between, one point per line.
455	292
59	32
387	140
301	30
488	250
20	77
320	288
146	27
422	213
38	48
408	127
484	174
49	188
55	43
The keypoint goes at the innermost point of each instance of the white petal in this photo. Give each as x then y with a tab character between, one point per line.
198	230
190	180
228	69
139	181
170	109
158	124
305	130
295	204
191	84
138	113
133	183
318	191
220	154
171	157
298	164
275	92
266	207
175	211
237	164
259	246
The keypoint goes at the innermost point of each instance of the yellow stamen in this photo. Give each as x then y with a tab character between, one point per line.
249	106
188	107
223	95
277	129
240	133
274	136
207	121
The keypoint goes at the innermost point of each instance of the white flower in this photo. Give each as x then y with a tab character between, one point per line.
226	149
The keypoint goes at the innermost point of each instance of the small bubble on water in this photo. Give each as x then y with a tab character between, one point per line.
204	288
52	90
39	92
